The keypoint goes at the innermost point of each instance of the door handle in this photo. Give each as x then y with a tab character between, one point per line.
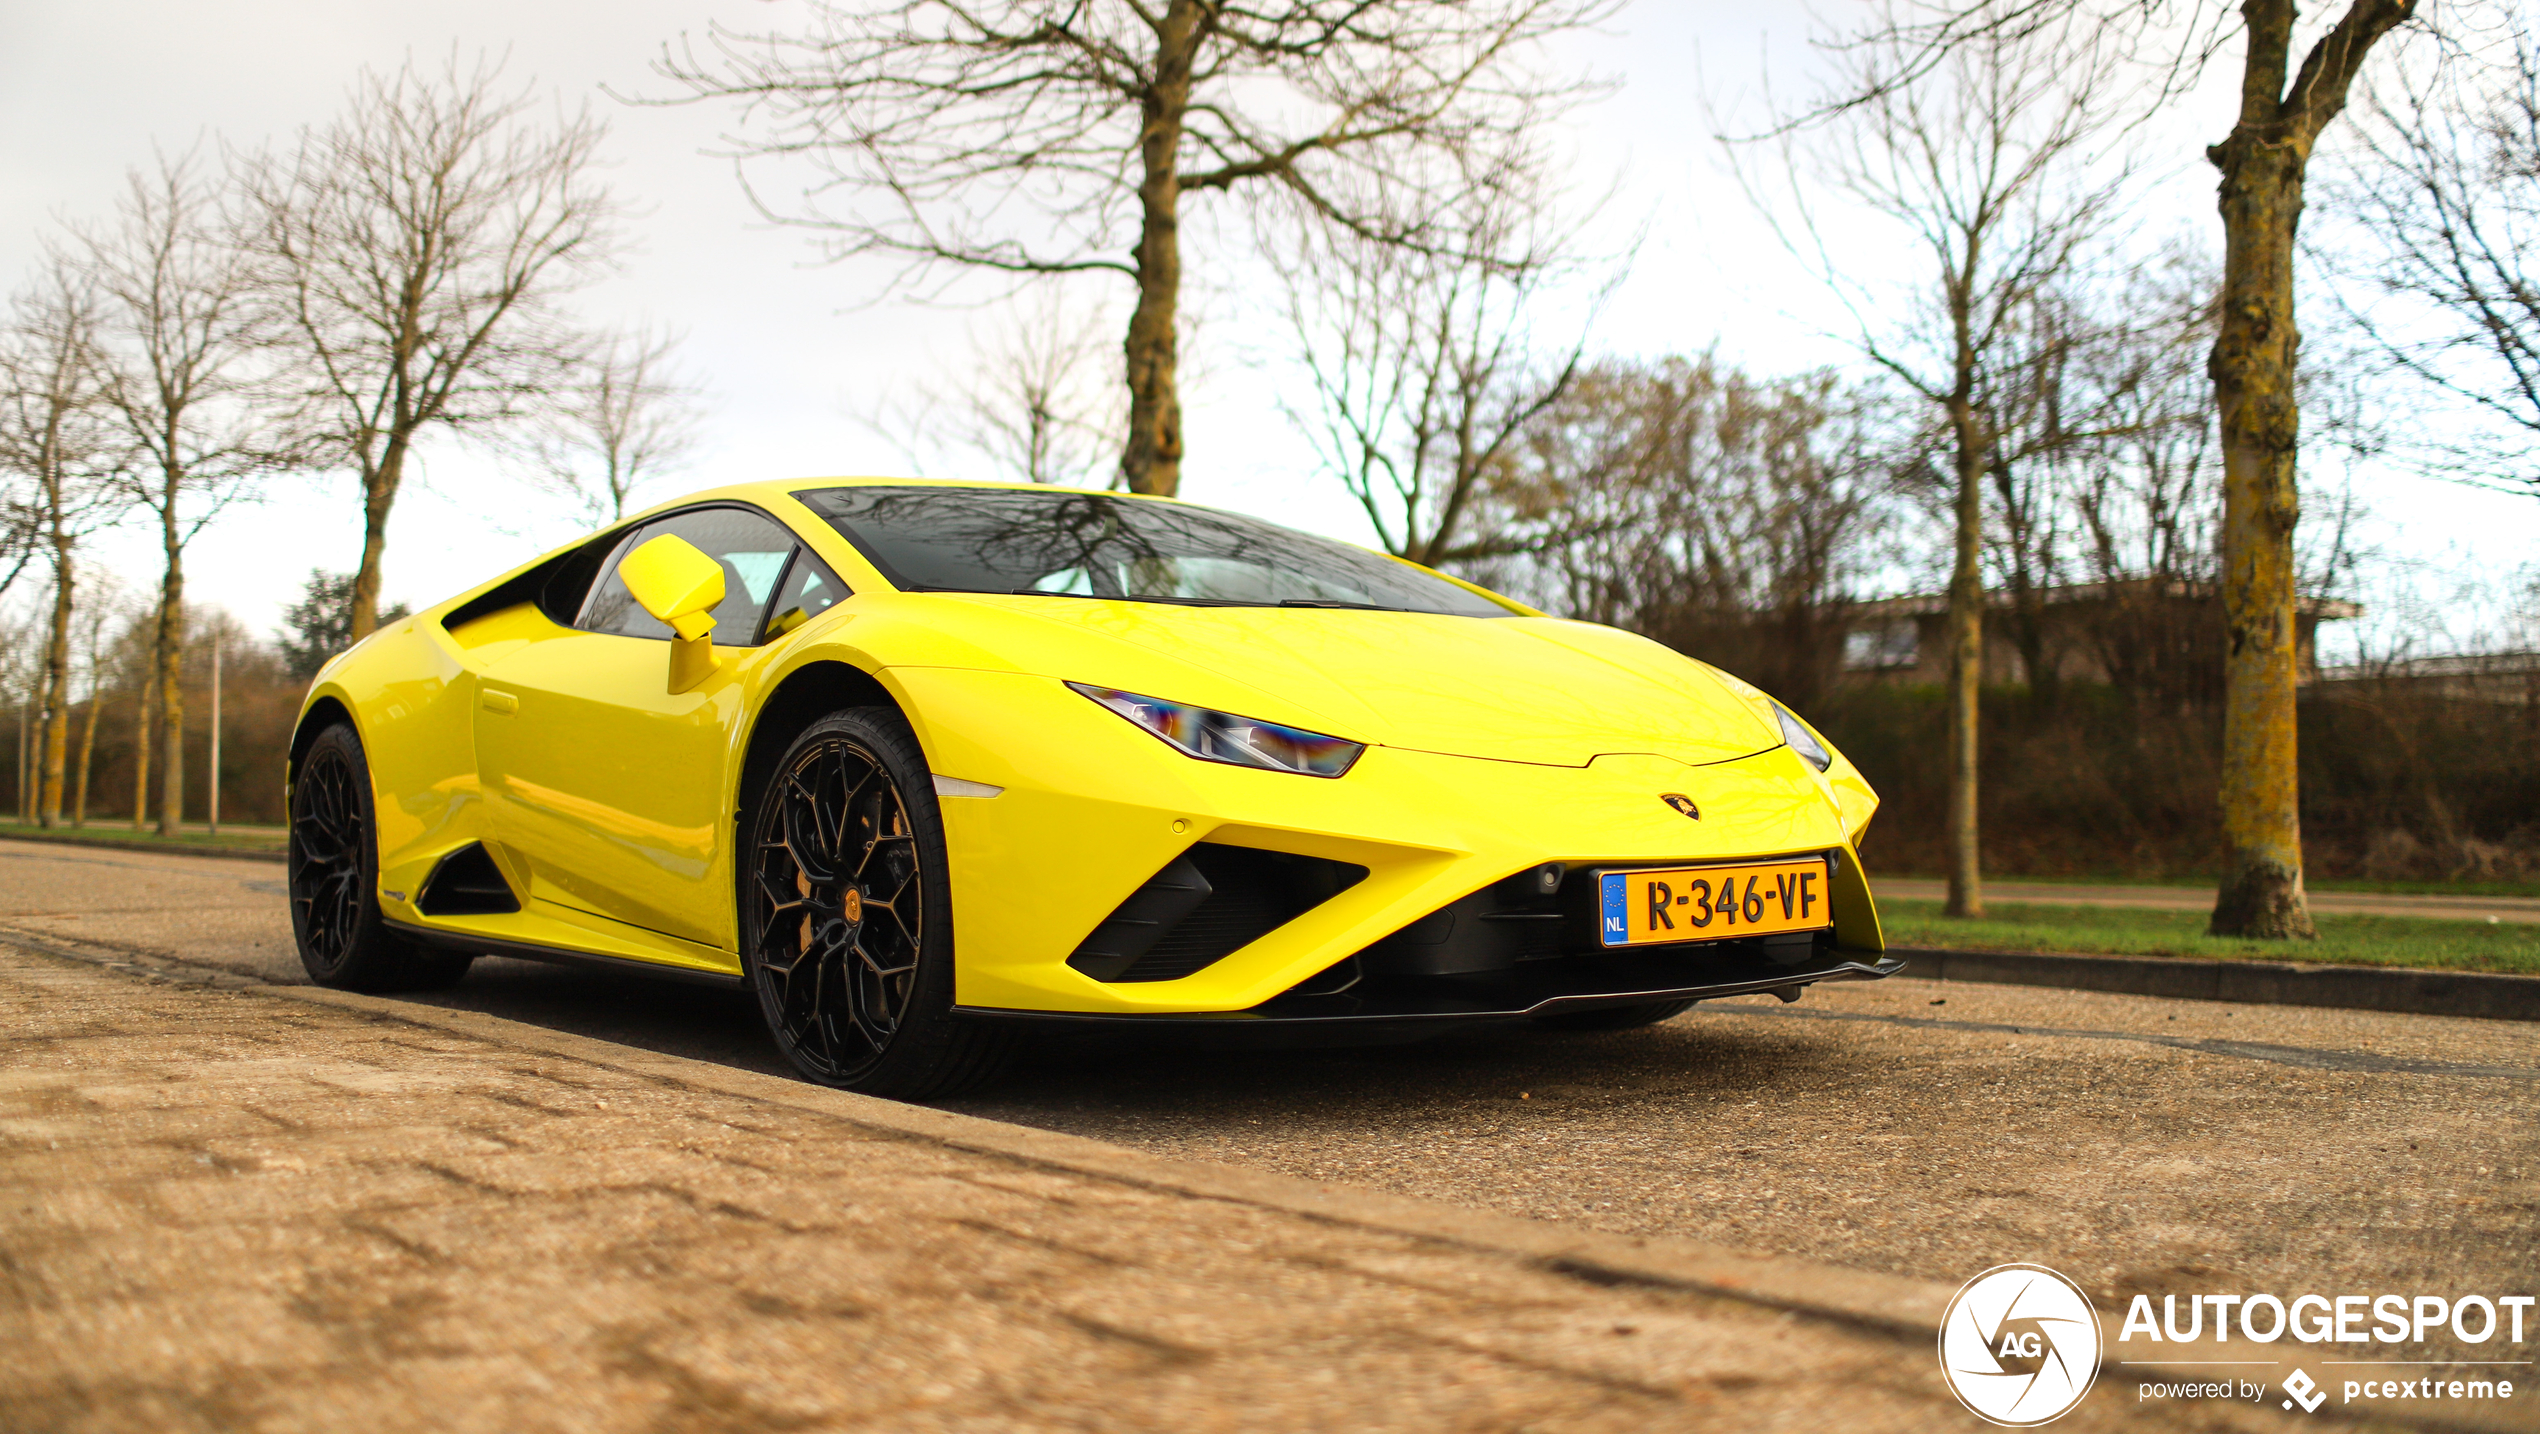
494	701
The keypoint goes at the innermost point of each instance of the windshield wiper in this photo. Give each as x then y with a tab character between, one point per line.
1327	602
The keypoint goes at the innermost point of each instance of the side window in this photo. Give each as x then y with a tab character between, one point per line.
562	595
809	590
751	548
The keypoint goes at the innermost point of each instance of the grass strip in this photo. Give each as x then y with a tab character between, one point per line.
120	835
2133	931
2423	888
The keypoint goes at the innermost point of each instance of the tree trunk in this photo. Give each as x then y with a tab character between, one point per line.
169	653
87	751
1152	460
2253	370
2262	165
2037	664
57	681
141	752
1966	668
379	494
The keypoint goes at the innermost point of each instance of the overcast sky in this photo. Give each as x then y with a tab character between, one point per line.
792	351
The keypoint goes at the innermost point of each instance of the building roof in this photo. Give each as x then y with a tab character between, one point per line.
2473	664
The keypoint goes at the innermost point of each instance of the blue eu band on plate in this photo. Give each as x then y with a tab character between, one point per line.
1657	907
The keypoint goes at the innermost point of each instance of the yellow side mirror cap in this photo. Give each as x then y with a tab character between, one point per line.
674	582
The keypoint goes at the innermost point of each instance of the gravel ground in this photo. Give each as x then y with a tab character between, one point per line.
2136	1145
225	1210
1931	1129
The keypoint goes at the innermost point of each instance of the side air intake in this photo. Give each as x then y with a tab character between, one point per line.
1208	903
467	883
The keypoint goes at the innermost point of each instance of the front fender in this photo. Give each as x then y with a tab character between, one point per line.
410	696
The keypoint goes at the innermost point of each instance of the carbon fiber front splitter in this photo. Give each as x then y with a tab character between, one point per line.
1407	1009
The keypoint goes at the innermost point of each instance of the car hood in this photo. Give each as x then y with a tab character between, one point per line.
1517	689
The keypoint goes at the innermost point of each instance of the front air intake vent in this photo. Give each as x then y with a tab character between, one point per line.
1208	903
467	883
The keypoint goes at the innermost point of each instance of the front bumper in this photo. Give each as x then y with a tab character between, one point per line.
1409	1010
1092	808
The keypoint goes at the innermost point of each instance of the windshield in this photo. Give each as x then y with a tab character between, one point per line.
1062	542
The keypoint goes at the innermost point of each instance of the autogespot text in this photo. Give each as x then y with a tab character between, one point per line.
2488	1325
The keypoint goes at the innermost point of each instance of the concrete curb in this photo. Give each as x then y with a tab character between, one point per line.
2409	990
165	848
1898	1307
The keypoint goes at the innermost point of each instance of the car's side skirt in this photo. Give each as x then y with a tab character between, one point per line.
562	956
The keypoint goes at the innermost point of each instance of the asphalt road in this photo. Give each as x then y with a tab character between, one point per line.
1931	1129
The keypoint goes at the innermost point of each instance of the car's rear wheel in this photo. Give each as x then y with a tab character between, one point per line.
1615	1018
334	880
847	916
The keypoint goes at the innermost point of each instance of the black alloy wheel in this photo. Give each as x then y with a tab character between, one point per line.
327	838
847	916
334	880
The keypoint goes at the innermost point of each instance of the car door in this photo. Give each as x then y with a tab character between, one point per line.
609	785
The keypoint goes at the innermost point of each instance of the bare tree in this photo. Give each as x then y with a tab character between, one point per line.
2038	403
2264	162
1734	518
2144	500
626	418
1036	400
143	706
181	374
105	613
2441	203
416	248
1424	365
54	436
22	657
1041	137
1985	161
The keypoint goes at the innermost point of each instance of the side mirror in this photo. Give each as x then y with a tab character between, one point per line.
679	586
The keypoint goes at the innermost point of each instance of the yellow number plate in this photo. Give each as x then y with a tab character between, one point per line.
1711	903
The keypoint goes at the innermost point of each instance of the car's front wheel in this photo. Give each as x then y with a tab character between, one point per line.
846	907
334	880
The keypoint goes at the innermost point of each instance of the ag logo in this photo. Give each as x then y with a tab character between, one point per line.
2019	1345
1682	803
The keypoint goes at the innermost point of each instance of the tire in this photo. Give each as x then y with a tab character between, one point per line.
1614	1018
846	916
334	880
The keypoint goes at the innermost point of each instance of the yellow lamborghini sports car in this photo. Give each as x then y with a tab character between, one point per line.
924	764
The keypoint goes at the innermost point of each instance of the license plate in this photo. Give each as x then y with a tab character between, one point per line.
1712	903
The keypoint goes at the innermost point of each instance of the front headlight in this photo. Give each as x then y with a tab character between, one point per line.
1214	736
1801	740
